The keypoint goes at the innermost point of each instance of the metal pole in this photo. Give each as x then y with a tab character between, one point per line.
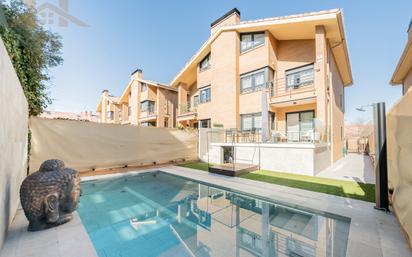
381	171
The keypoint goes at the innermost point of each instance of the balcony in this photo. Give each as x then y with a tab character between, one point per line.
309	135
148	114
187	109
285	91
187	112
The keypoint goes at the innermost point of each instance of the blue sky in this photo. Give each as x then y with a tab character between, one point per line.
160	36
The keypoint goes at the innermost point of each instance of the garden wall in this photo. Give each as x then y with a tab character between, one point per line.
13	141
87	145
399	145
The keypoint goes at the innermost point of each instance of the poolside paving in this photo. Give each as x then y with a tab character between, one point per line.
372	232
353	167
68	240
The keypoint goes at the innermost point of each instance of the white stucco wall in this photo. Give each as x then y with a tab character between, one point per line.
13	141
304	159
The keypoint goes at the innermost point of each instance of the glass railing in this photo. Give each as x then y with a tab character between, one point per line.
312	135
187	108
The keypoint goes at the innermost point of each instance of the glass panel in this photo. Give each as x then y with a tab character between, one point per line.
204	64
300	76
196	100
259	79
205	95
272	120
246	42
259	39
247	122
245	83
306	123
292	126
258	121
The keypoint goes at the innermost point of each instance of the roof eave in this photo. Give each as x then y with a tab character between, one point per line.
295	18
399	75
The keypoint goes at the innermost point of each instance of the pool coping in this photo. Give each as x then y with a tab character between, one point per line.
372	232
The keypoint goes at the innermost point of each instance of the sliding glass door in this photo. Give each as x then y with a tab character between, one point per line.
298	124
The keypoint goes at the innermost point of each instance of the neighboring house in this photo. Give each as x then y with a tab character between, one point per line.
300	60
109	109
357	137
148	103
85	116
403	72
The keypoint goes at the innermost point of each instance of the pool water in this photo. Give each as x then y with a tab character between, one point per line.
156	214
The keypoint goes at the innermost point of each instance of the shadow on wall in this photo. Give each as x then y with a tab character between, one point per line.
87	145
13	140
7	211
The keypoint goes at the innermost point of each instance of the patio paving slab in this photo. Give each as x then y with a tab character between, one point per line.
353	167
68	240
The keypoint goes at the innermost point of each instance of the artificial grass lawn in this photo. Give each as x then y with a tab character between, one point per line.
349	189
196	165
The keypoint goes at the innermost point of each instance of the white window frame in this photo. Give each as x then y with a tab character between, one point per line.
305	73
148	108
253	116
252	75
205	63
253	43
203	100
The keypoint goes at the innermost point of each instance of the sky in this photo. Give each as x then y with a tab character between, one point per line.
160	37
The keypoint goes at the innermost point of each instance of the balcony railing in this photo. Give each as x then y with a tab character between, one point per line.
255	136
187	108
148	112
279	88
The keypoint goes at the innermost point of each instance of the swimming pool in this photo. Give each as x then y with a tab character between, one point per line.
157	214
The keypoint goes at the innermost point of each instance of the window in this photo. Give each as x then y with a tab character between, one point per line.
251	40
205	63
144	87
129	111
252	81
204	123
204	95
147	106
299	124
196	100
148	124
300	76
110	115
272	120
251	121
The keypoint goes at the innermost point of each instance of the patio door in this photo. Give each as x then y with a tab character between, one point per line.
298	124
292	126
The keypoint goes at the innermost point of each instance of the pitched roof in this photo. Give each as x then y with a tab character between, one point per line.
126	91
300	26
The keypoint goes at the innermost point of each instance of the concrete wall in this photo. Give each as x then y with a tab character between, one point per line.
304	159
13	141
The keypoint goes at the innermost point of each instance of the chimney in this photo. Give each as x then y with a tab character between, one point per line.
105	92
410	29
137	74
232	17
